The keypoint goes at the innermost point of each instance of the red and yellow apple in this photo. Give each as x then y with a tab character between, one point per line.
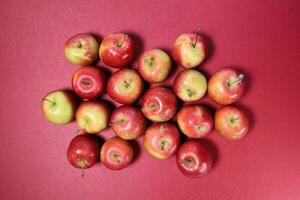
190	85
154	65
125	86
231	122
116	153
226	86
59	107
193	159
159	104
82	49
189	50
116	50
128	122
162	140
195	121
92	116
88	82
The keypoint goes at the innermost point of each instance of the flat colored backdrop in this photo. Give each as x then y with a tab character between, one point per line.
260	38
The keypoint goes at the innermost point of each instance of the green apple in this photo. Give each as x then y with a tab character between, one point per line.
59	107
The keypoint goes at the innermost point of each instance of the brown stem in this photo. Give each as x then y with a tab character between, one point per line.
197	37
240	78
163	145
190	93
126	84
45	99
82	165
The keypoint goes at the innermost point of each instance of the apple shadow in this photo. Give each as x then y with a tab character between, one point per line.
210	49
136	149
100	141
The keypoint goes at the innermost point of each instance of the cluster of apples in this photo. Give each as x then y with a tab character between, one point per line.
158	104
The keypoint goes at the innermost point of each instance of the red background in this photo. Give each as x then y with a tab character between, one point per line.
259	37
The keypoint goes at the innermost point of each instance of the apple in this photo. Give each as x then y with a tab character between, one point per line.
116	153
154	65
59	107
189	50
159	104
231	122
82	49
116	50
83	152
195	121
125	86
88	82
128	122
226	86
162	140
190	85
193	159
92	116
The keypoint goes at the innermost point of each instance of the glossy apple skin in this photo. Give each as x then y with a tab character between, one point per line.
193	159
159	104
128	122
88	82
116	153
154	65
195	121
117	50
125	86
190	85
186	53
82	49
59	107
162	140
231	122
226	86
83	151
92	116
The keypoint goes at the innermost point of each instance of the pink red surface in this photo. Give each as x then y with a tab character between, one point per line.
259	37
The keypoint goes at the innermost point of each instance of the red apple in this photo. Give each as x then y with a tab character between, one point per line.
116	50
83	152
82	49
189	50
226	86
154	65
116	153
88	82
195	121
231	122
59	107
162	140
193	159
159	104
128	122
190	85
92	116
125	86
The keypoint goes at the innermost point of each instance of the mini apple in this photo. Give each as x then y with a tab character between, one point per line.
128	122
226	86
83	152
59	107
154	65
159	104
195	121
116	153
189	50
193	159
162	140
82	49
125	86
231	122
116	50
92	116
88	82
190	85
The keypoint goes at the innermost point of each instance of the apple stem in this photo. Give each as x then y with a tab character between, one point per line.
116	157
197	37
240	78
126	84
190	93
163	145
45	99
82	165
79	45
